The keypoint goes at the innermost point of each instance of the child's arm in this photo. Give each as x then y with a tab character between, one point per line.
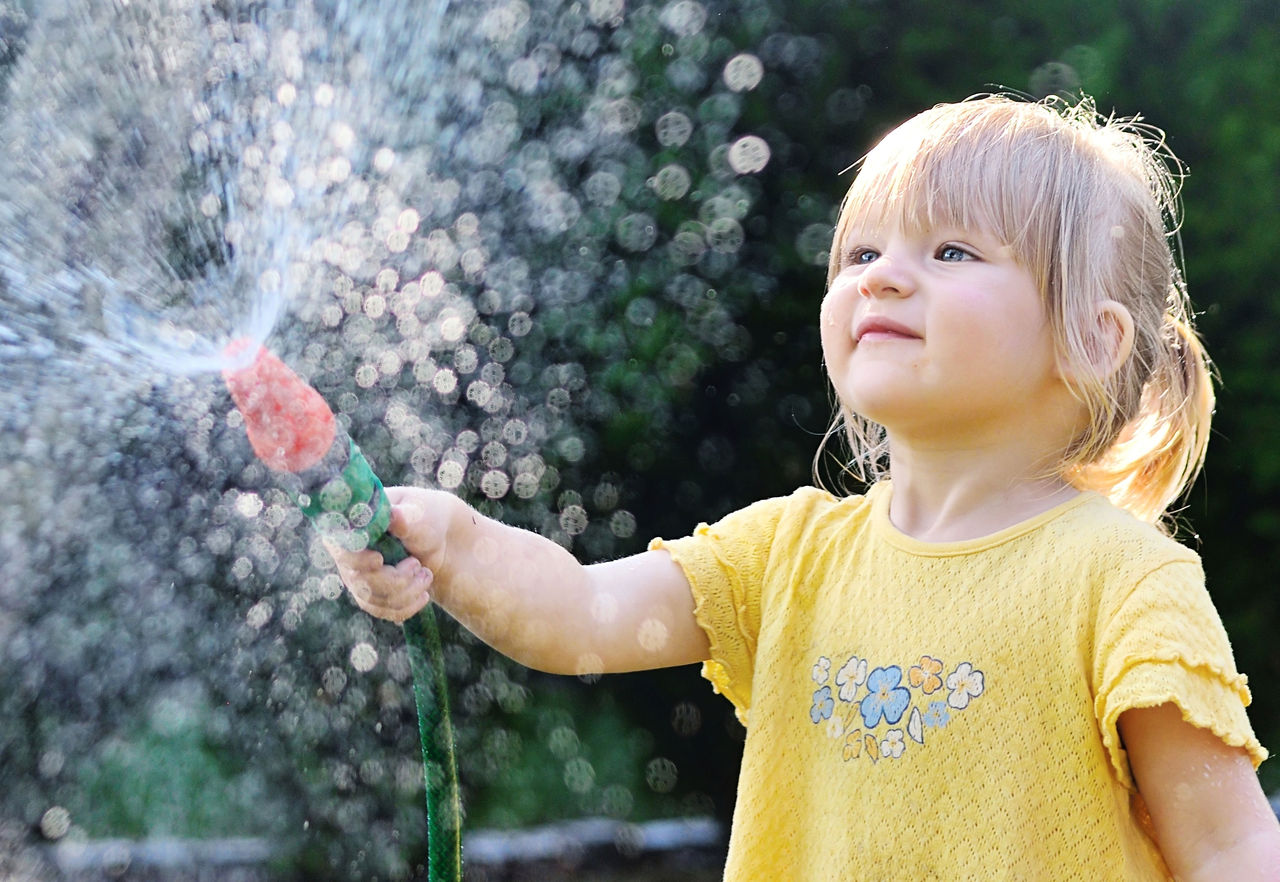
526	596
1211	817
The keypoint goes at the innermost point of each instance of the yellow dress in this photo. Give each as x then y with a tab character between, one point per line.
920	711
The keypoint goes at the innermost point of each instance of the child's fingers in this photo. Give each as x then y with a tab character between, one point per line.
397	598
387	585
362	561
395	593
366	561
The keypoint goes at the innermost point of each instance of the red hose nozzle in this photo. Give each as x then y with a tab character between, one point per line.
290	426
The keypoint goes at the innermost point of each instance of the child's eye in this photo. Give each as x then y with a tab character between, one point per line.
953	253
860	256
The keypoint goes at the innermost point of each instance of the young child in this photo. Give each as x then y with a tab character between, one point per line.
993	664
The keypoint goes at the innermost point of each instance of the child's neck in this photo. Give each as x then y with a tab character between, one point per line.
949	495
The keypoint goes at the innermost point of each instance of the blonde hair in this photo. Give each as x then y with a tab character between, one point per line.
1089	206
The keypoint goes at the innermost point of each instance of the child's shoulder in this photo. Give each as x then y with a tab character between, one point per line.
811	502
1111	536
797	510
1109	519
815	514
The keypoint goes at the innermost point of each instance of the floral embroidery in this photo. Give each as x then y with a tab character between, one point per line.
873	747
850	676
853	745
965	683
937	716
886	699
821	670
892	745
914	728
823	705
835	725
890	717
924	676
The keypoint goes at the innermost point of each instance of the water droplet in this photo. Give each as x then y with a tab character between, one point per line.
495	484
519	324
55	822
814	243
604	608
258	615
523	75
360	515
589	667
51	763
606	12
450	474
573	520
686	719
335	495
334	680
242	568
673	129
637	232
249	504
725	235
617	801
684	17
653	635
671	182
661	775
743	72
444	381
622	524
749	154
363	657
579	775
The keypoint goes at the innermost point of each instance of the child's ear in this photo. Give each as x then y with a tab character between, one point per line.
1112	337
1116	336
1110	340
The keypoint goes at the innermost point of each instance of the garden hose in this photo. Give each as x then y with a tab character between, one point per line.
294	432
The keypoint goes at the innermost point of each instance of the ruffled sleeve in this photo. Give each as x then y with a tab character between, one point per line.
726	563
1164	643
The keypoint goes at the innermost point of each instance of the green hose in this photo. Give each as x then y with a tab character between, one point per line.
355	501
440	762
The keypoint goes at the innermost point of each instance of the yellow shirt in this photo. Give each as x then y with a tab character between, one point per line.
920	711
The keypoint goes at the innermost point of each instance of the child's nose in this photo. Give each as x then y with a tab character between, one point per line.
885	277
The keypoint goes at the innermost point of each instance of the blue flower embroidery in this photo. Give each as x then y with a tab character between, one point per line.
886	698
894	697
937	715
823	705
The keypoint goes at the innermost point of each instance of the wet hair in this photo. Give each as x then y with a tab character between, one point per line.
1089	206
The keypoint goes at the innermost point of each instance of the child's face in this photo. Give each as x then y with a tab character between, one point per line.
939	334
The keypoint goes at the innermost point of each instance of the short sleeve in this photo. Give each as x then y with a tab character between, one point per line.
725	564
1164	643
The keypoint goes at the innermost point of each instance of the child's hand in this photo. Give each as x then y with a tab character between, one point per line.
395	593
398	593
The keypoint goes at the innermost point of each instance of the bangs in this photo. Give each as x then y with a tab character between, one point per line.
984	166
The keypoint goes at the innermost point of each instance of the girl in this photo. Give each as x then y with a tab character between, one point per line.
993	664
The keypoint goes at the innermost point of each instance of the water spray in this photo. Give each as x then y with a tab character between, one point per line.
293	431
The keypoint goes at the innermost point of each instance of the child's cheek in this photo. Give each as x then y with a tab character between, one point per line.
830	322
837	307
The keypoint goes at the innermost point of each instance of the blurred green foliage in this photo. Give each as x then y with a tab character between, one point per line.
164	777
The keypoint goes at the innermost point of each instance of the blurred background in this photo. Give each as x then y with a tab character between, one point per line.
563	258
